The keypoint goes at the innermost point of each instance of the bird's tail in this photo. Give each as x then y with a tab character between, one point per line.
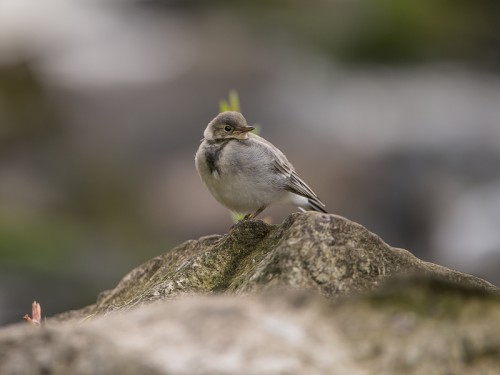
308	204
316	205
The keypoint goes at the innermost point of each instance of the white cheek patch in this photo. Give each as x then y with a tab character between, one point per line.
215	174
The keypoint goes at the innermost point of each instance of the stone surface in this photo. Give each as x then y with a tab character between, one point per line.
321	252
415	326
317	294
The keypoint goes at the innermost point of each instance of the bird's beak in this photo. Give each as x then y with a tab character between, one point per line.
242	133
247	129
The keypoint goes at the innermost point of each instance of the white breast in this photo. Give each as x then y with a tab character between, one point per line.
234	187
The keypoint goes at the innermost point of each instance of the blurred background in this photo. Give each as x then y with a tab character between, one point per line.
389	109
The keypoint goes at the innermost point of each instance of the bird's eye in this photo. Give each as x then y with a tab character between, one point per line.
228	128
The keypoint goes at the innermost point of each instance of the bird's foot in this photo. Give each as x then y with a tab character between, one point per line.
248	217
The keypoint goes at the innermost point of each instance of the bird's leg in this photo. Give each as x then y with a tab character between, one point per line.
253	215
249	216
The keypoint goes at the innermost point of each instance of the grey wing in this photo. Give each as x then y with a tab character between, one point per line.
295	184
292	182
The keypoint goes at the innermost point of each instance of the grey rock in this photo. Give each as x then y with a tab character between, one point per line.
317	294
414	326
322	252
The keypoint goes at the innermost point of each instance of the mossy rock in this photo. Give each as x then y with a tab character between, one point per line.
321	252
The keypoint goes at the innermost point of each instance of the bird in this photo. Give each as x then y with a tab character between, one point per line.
246	173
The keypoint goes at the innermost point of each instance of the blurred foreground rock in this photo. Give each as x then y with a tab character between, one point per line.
377	310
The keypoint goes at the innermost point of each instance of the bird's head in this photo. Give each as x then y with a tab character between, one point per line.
227	125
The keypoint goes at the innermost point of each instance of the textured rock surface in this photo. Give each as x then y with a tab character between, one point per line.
242	303
326	253
411	327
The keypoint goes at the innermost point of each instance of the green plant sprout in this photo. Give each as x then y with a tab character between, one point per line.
233	104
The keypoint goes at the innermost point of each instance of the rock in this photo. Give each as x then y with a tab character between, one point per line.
416	326
317	294
321	252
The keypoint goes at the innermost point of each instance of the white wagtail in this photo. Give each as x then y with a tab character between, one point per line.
246	173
